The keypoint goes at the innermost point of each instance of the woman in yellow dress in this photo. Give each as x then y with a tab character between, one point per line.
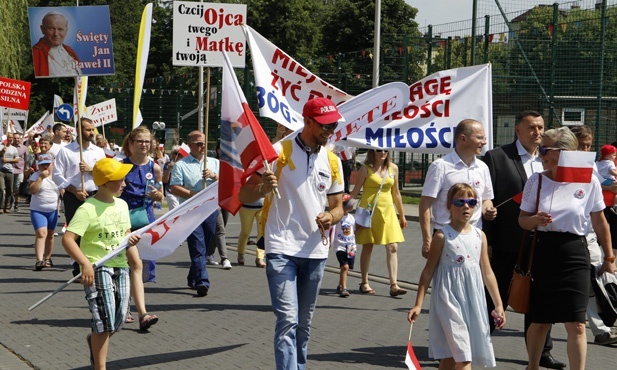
384	227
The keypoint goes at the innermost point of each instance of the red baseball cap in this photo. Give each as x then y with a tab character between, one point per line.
607	149
322	110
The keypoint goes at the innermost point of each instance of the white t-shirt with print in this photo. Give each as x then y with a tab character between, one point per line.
291	228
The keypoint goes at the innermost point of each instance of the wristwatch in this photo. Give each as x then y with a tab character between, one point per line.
609	259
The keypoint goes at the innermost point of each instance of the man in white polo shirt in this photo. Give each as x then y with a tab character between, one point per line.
295	232
68	169
459	166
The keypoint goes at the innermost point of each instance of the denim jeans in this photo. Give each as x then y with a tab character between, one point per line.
294	285
198	275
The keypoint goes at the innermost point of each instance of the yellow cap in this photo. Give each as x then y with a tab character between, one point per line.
108	169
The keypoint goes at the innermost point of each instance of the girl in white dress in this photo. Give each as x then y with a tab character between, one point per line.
459	266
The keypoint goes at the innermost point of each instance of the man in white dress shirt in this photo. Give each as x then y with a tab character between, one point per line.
459	166
68	169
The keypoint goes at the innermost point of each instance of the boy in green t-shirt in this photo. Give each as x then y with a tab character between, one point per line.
102	222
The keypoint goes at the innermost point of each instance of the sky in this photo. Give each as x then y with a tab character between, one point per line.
432	11
444	11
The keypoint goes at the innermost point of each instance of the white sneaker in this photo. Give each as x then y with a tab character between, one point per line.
226	264
210	260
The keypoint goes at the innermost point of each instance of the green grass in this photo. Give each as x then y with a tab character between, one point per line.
410	200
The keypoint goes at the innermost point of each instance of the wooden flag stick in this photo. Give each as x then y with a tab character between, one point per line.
267	167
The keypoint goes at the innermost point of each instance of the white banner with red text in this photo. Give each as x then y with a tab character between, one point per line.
437	104
162	237
284	85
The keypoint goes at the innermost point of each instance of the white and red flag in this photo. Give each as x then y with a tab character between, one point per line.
410	358
109	153
575	166
184	150
244	144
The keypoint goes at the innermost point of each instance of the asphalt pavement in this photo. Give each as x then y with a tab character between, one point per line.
232	327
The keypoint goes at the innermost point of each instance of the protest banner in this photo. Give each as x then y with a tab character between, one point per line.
202	30
370	107
41	125
284	85
14	114
14	94
437	104
71	41
162	237
102	113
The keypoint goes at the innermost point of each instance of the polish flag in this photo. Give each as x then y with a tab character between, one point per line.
244	144
109	153
184	150
410	359
575	166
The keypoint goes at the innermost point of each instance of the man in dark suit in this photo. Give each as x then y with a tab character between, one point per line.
510	166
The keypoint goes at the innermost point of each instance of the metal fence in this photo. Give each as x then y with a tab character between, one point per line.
557	59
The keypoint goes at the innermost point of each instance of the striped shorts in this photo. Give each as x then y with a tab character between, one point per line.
108	298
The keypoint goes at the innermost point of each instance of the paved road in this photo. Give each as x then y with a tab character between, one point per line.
232	327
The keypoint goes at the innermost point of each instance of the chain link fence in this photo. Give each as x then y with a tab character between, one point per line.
557	59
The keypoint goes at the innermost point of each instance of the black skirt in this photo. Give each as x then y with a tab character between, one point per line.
560	278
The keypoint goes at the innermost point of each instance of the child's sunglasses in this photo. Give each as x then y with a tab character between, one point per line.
459	202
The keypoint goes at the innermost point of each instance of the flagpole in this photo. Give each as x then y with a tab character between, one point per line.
504	202
410	328
79	133
207	121
58	290
103	127
276	191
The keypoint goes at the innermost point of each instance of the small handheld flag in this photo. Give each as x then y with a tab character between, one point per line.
575	166
410	358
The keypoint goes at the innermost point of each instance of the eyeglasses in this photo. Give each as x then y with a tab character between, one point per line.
142	142
380	151
199	143
459	202
330	127
545	149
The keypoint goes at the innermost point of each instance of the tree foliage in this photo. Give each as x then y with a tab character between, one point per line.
308	30
13	23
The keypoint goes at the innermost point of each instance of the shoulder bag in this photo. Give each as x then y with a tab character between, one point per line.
520	286
139	215
364	216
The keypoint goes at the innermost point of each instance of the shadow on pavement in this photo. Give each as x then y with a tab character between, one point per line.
162	358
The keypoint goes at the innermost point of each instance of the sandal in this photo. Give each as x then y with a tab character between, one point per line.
395	291
364	290
146	321
39	265
129	318
344	293
49	263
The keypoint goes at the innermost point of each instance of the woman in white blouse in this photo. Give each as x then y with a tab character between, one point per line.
561	268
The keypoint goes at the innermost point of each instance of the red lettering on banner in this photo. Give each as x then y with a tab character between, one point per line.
366	118
433	87
155	235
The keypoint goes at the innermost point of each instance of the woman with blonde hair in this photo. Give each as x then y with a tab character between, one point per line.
379	178
143	188
561	265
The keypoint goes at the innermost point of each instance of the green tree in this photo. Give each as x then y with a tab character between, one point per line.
13	23
349	29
